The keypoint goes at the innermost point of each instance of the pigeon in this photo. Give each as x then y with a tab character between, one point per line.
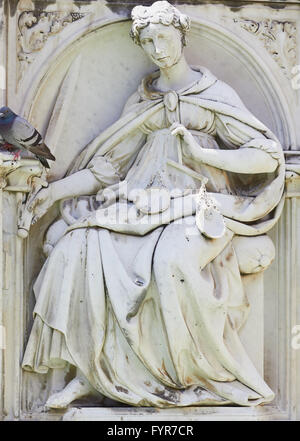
16	132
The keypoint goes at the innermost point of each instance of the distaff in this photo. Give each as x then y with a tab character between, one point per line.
209	220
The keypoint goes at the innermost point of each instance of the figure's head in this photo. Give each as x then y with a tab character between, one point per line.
160	30
6	113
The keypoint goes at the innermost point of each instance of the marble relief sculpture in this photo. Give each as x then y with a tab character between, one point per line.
161	214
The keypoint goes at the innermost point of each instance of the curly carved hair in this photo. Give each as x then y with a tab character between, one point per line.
159	12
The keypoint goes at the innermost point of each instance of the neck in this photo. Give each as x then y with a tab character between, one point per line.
176	76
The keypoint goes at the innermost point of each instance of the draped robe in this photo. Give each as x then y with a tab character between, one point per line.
137	298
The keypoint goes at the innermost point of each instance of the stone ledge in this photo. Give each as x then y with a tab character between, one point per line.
233	3
260	413
16	176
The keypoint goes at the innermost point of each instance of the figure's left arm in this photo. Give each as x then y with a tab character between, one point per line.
249	146
257	154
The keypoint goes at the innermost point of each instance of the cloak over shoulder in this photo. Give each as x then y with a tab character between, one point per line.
153	319
236	127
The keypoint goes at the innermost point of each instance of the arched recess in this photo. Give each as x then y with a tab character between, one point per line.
120	63
110	69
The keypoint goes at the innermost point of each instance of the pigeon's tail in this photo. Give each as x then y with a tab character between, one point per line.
46	152
42	152
43	161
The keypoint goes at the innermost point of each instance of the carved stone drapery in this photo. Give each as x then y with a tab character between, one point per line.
12	405
17	177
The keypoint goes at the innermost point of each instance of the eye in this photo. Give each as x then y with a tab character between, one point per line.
164	37
146	41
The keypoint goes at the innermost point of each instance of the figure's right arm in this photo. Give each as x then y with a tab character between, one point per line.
81	183
101	172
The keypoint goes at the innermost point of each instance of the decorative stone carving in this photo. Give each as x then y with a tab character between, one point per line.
36	27
7	165
278	37
173	300
17	175
102	41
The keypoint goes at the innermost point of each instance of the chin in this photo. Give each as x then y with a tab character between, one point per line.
166	64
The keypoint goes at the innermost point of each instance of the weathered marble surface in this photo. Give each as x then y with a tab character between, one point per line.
270	96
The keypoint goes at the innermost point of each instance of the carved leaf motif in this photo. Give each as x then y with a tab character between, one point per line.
35	28
278	37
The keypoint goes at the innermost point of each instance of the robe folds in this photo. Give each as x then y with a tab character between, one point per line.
134	295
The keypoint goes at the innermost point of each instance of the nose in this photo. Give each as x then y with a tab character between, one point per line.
158	49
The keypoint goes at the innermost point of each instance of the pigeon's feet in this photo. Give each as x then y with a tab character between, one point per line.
17	155
77	388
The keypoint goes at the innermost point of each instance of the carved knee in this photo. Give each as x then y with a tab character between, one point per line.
254	254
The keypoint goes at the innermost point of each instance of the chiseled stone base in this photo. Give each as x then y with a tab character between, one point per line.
270	94
268	412
259	413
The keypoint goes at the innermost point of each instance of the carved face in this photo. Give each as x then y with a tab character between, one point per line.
162	44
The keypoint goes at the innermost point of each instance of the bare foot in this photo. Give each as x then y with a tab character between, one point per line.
77	388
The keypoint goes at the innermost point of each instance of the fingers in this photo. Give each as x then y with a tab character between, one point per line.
177	132
108	201
35	218
38	214
37	199
178	129
107	196
100	197
34	203
31	206
175	125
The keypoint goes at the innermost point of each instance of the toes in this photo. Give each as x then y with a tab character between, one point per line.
53	402
56	402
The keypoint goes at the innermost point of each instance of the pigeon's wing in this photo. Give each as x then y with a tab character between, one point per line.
30	139
24	133
41	150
